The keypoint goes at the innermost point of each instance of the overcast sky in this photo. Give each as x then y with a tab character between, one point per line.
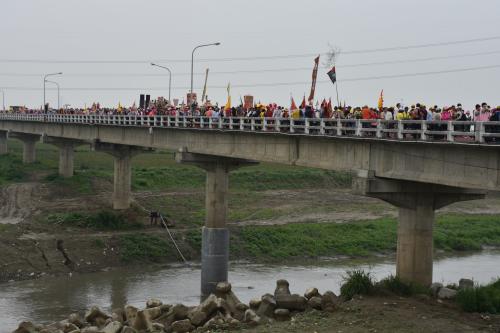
159	30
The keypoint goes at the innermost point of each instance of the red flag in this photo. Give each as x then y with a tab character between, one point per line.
329	106
314	75
293	106
303	104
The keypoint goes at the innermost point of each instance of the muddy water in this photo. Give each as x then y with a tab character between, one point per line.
53	299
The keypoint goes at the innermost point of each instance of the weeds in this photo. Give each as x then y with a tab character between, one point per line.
394	285
356	282
102	220
480	298
143	247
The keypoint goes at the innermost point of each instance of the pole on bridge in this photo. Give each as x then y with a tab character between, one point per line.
44	82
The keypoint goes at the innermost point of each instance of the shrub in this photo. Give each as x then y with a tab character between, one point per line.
398	287
102	220
480	298
356	282
143	247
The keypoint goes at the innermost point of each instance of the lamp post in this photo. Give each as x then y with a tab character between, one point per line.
192	60
3	99
58	93
169	79
44	81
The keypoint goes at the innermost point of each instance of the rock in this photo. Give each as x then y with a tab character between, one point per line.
25	327
182	326
241	307
197	317
128	329
90	329
311	292
446	293
315	302
209	305
176	312
465	283
153	303
267	306
291	302
329	301
118	315
255	303
112	327
251	317
282	314
223	287
69	327
435	288
75	319
144	319
96	316
130	314
157	327
282	288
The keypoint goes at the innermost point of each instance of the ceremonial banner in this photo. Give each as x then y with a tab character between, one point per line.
176	101
228	103
381	100
303	104
314	75
333	75
204	87
248	101
293	106
191	98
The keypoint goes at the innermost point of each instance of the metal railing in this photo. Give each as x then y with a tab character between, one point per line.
421	130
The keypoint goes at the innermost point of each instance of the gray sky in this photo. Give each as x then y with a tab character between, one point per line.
119	30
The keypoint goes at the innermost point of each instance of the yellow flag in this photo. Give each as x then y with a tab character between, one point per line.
228	104
119	107
381	100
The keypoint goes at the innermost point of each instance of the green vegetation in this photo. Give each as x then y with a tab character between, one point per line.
356	282
143	247
101	220
81	182
394	285
480	298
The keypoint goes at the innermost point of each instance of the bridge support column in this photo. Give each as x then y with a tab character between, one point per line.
66	153
122	176
29	141
417	203
3	143
215	235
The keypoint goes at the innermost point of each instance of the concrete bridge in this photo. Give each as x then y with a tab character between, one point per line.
416	166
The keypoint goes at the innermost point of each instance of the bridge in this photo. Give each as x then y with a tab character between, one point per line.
417	166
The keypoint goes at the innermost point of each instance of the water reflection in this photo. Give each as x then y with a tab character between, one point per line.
53	299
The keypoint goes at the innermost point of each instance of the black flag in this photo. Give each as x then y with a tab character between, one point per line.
332	75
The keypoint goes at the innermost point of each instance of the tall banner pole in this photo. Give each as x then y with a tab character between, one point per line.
205	87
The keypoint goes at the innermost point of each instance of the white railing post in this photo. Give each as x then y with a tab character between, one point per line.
306	126
339	127
423	128
358	128
449	133
480	131
264	124
230	122
378	133
242	124
184	121
252	124
322	126
292	125
277	124
400	130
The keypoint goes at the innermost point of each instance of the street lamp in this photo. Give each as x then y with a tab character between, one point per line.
192	60
58	92
44	81
169	79
3	99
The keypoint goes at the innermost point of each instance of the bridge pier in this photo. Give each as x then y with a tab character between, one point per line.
215	234
3	143
66	153
29	141
417	203
122	176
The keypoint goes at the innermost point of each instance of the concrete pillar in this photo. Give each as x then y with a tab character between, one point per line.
29	141
417	203
122	180
3	143
215	235
66	160
122	184
415	242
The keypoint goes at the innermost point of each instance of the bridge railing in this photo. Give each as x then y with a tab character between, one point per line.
414	130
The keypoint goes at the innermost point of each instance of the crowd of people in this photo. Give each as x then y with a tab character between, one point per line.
481	112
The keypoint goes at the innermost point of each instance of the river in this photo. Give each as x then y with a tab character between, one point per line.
53	298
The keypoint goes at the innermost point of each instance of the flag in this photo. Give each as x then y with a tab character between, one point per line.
332	74
314	75
204	87
119	107
303	104
329	105
293	106
381	100
228	104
